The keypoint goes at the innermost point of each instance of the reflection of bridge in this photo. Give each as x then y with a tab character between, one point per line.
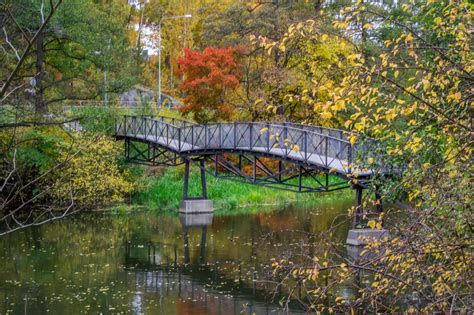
305	156
223	286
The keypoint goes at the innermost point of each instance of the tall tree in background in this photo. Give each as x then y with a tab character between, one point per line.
210	76
82	40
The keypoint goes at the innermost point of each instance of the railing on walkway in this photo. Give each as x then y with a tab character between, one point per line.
326	147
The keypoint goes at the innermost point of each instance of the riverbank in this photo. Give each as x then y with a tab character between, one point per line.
163	191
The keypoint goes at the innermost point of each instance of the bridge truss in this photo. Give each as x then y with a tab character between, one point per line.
285	156
242	167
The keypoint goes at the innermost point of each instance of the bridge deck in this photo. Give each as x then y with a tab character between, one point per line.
338	166
323	148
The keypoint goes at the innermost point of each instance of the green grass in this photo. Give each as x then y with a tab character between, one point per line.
165	192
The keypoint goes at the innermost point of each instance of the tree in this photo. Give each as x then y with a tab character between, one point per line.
415	96
16	58
210	76
54	51
302	73
233	26
81	40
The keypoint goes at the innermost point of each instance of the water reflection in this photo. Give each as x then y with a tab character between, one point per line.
206	287
153	264
195	221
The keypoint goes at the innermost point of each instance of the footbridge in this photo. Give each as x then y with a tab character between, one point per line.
287	156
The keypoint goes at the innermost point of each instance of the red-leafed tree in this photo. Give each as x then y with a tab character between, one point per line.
210	76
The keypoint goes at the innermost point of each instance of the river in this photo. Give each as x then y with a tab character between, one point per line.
157	263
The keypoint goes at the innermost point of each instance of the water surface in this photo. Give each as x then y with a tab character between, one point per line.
148	263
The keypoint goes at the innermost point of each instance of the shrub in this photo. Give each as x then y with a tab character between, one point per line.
90	174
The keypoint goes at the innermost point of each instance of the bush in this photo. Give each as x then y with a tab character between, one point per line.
52	166
91	174
98	119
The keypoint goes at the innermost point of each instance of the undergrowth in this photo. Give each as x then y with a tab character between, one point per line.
164	191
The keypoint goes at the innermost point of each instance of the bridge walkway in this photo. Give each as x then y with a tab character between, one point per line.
324	148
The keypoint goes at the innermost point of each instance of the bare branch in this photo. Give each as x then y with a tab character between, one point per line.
12	75
11	172
10	44
42	11
11	92
37	123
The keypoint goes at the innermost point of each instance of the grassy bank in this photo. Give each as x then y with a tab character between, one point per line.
164	191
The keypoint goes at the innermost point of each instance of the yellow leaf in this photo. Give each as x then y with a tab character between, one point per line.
371	224
339	299
269	51
326	115
353	139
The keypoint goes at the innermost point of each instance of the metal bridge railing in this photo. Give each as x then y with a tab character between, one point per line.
320	146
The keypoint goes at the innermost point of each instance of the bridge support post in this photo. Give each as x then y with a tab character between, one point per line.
127	149
198	204
186	179
358	211
203	179
360	236
378	200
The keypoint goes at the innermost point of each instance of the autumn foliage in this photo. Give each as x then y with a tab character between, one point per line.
210	75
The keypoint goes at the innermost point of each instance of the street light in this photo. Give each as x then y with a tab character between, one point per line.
186	16
101	53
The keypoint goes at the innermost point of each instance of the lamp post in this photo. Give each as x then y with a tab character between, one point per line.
102	53
186	16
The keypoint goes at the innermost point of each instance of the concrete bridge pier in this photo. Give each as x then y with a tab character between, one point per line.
199	204
360	235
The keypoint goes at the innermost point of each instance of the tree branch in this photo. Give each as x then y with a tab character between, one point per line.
37	123
12	75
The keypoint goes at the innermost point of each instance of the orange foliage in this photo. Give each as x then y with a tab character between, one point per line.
270	164
209	77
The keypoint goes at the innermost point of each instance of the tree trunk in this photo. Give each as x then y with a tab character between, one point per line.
318	5
40	107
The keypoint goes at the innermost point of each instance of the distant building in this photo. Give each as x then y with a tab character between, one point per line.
134	3
137	96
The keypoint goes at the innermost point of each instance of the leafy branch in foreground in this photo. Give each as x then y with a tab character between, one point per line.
415	95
